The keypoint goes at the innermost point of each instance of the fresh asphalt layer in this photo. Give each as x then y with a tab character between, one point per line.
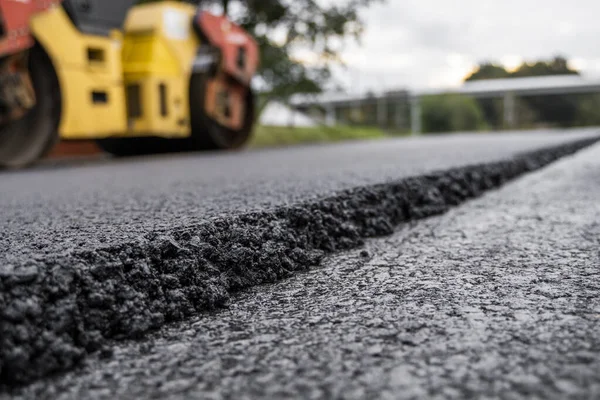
497	298
61	209
114	251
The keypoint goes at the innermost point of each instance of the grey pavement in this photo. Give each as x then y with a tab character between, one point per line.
55	210
497	298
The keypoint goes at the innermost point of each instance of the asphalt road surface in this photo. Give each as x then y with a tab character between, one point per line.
70	207
496	297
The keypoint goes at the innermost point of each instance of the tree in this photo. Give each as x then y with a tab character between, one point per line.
298	24
588	111
451	113
488	70
557	66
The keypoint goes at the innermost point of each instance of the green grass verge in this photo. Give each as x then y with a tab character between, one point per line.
274	136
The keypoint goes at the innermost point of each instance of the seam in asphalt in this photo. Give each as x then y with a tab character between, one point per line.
56	310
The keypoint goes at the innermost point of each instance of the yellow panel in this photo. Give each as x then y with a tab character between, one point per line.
147	53
159	47
152	122
84	64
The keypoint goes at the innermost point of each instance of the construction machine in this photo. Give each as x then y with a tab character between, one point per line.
138	79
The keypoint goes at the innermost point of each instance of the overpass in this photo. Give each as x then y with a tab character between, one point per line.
508	89
389	110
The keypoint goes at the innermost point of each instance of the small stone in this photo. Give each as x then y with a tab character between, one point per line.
6	270
375	350
365	254
106	352
25	274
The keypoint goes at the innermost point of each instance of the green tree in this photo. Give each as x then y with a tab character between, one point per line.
315	25
488	70
451	113
588	111
556	66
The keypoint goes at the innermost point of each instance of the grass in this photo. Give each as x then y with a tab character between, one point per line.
276	136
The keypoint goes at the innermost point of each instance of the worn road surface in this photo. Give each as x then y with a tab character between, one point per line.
498	297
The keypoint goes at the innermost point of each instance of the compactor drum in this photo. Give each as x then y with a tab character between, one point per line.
152	78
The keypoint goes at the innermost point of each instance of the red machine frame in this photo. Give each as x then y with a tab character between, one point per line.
16	15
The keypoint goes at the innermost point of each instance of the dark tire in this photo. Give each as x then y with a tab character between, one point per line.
207	134
30	138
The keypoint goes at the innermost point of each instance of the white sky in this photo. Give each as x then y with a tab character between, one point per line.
434	43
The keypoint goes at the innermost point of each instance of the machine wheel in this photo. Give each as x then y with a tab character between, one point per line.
26	140
207	134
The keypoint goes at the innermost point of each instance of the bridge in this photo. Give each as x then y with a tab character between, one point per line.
405	105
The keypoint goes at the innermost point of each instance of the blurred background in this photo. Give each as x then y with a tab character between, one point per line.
357	69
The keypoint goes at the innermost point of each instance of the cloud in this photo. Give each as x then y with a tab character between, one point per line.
417	43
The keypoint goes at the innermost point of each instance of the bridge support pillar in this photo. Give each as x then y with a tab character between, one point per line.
510	110
382	112
415	115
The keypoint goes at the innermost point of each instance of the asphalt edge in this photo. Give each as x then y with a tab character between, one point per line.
57	310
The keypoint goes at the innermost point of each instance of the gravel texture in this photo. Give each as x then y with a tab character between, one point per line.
58	307
497	298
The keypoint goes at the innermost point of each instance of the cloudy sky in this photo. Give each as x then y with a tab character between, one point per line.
435	43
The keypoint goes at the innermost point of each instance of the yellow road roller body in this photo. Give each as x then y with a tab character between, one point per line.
168	77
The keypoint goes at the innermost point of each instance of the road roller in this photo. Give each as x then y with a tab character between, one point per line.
136	78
